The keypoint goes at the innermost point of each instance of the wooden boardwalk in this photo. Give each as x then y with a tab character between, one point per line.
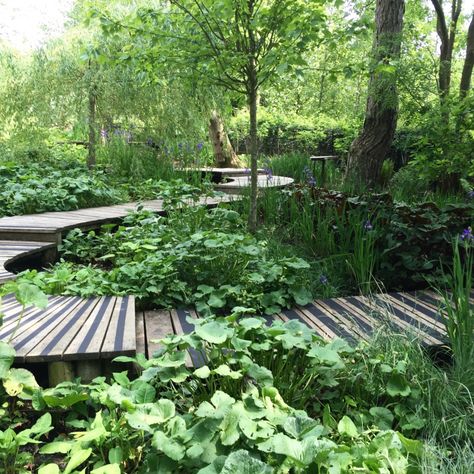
12	250
352	318
70	328
48	226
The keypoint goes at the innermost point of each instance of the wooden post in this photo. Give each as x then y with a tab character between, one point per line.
88	370
60	372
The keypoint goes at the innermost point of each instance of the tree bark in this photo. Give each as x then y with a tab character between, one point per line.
92	143
370	148
224	154
447	36
253	92
468	62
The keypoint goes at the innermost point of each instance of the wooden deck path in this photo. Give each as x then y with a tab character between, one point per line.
352	318
12	250
71	329
48	226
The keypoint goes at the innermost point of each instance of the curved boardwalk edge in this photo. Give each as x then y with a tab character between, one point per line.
11	251
354	318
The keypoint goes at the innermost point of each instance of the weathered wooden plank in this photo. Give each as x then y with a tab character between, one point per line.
301	316
53	345
326	321
88	341
403	320
140	332
30	337
116	342
419	311
158	324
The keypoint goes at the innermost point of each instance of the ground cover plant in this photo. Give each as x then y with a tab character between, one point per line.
190	257
226	416
259	398
358	239
118	105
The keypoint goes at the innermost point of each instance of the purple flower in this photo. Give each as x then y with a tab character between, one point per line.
323	279
368	225
470	194
104	134
200	146
269	173
149	141
310	179
180	146
467	235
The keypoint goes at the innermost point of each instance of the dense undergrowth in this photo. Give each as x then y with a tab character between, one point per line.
192	256
259	399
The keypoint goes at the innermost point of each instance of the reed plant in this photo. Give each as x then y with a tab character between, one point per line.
457	308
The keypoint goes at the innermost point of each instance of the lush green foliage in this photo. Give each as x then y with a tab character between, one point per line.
41	187
235	421
190	257
398	244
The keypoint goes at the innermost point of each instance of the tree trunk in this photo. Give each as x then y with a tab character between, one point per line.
91	155
224	154
252	97
370	148
447	36
468	62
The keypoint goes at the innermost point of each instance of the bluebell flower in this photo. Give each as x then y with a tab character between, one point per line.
368	225
310	179
470	194
467	235
104	134
323	279
200	146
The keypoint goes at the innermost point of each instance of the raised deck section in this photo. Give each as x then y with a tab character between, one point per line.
48	226
70	328
11	251
353	318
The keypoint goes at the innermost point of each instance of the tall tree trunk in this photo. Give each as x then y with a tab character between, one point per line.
91	155
253	155
224	154
447	36
370	148
468	62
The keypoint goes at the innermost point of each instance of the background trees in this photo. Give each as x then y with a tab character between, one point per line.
163	70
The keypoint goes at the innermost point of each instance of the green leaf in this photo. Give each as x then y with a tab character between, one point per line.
116	455
7	356
17	380
282	444
107	469
216	301
383	417
55	447
144	393
29	294
79	457
347	427
49	469
325	354
240	462
398	385
203	372
412	446
169	446
214	332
